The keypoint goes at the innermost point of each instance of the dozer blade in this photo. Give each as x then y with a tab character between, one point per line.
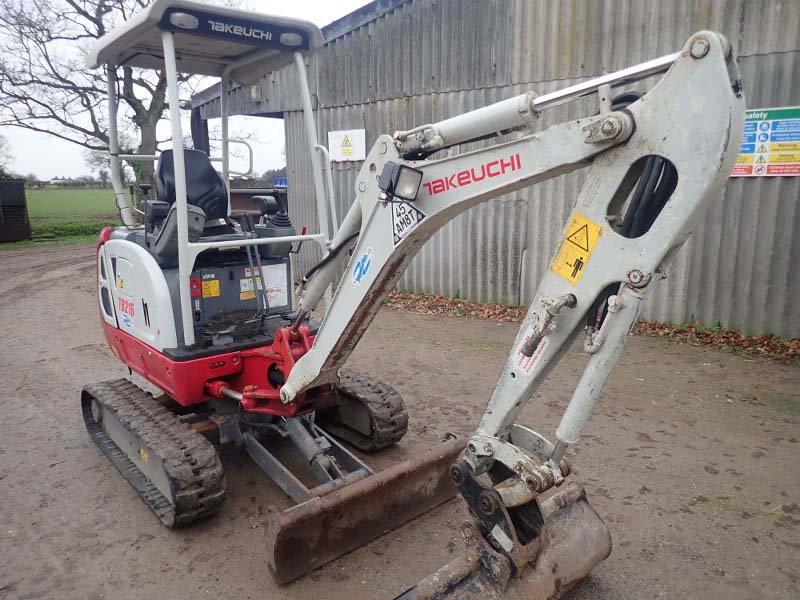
310	534
574	540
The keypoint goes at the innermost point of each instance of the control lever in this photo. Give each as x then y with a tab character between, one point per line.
300	243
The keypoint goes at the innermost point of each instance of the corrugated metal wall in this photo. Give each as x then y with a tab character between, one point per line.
424	60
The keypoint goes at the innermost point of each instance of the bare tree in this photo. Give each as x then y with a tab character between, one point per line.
46	87
5	155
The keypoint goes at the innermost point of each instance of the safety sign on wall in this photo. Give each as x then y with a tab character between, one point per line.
771	143
349	144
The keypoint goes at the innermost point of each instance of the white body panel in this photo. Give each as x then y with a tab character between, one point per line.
105	282
141	298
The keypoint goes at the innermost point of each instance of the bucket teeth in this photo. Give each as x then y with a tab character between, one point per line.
312	533
574	540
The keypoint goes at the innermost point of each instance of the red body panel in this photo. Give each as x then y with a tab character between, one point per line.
199	380
105	235
185	381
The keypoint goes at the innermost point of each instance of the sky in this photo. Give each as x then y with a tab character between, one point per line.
47	157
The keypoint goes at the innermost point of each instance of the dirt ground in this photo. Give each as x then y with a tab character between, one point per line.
691	459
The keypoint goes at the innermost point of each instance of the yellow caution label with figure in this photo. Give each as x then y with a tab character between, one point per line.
576	248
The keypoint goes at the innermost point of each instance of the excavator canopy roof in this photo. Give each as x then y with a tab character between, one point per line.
207	39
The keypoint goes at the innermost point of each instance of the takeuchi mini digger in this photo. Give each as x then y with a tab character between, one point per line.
196	296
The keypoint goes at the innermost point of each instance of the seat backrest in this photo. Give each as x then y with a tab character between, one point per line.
204	186
165	246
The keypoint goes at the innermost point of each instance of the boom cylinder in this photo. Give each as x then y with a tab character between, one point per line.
519	112
507	115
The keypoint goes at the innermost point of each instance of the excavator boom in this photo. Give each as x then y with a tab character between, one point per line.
655	165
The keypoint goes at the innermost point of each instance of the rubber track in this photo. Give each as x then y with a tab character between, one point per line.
192	465
388	415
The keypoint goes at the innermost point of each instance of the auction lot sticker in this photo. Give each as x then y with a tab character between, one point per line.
771	143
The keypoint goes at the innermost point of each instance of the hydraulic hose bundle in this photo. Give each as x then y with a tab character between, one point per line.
656	184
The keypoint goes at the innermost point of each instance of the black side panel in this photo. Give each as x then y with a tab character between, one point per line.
199	132
255	341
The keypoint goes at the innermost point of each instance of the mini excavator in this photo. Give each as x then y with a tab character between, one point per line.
196	298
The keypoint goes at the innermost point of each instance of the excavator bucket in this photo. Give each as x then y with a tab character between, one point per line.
314	532
574	540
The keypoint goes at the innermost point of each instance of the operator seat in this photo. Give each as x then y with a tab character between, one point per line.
204	186
206	197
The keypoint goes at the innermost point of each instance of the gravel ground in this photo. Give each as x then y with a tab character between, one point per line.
691	459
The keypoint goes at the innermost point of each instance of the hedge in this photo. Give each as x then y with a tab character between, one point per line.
71	229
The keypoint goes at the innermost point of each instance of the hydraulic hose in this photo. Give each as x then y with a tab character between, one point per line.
332	253
657	182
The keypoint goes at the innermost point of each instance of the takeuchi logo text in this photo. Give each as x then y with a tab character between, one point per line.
230	29
460	179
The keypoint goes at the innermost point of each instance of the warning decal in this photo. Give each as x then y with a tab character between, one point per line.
404	218
580	237
770	144
347	145
277	284
246	289
211	288
526	363
347	148
577	247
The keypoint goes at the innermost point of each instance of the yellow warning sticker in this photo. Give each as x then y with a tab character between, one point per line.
144	455
744	159
211	288
784	157
247	295
347	147
784	147
579	242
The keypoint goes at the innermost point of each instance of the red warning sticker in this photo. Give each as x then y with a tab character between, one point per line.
527	363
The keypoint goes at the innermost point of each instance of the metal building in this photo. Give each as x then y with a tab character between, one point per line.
395	64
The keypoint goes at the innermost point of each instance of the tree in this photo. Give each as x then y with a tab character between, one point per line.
102	175
5	155
45	86
269	176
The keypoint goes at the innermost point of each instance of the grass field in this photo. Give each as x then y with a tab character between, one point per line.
50	207
56	241
67	216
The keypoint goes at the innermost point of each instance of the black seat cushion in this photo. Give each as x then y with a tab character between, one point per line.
204	186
